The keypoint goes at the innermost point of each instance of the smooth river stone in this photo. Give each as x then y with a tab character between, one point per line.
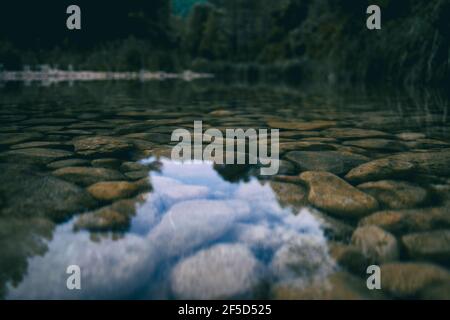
113	190
349	257
433	245
48	121
45	129
427	144
379	169
335	162
437	291
7	139
150	137
304	258
332	194
286	168
87	176
132	127
221	113
337	286
298	134
108	163
163	122
408	221
36	155
289	194
141	114
136	175
10	129
410	136
113	217
158	152
7	117
163	130
354	150
302	126
189	224
395	194
133	166
377	144
319	139
27	194
67	163
436	162
406	280
306	146
101	146
72	132
333	228
353	133
376	244
223	271
142	145
38	144
90	125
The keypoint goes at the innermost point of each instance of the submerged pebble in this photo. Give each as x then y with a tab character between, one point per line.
407	280
396	194
433	245
332	194
407	221
221	272
114	190
101	146
380	169
336	162
376	244
86	176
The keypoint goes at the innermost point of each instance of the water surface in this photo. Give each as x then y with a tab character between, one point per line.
198	230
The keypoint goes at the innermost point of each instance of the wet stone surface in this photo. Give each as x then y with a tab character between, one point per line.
88	180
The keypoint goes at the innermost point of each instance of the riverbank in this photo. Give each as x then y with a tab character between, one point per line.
55	76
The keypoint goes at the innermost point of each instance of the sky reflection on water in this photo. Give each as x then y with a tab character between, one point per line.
195	236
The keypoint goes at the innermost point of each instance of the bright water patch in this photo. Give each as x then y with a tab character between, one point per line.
195	236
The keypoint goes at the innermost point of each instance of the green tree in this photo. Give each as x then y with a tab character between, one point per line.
214	44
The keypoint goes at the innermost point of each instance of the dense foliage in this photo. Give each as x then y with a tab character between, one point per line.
182	7
327	39
295	39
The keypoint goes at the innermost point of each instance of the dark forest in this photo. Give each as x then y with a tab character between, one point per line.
293	39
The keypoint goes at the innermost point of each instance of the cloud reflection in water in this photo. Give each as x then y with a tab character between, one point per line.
196	236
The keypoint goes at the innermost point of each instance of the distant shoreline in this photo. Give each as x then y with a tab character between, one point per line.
54	76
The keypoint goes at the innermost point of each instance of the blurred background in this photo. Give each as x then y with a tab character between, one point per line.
293	40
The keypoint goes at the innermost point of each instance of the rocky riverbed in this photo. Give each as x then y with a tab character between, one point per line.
86	179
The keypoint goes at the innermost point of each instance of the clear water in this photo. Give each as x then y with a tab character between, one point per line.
191	209
202	231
